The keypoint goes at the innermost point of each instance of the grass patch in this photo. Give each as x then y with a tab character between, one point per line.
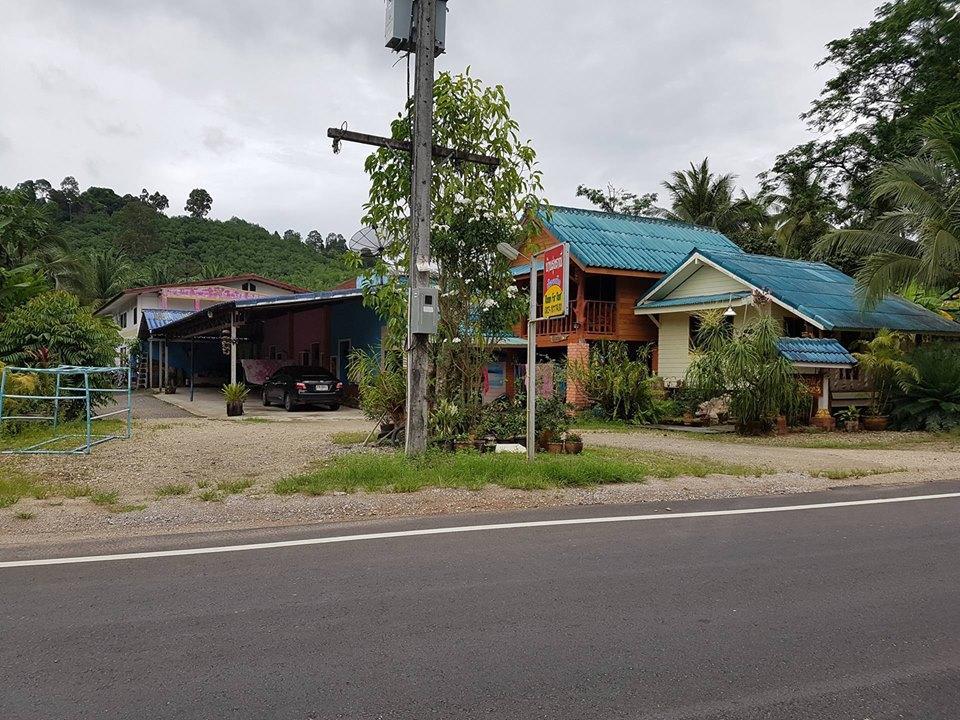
23	515
171	490
817	440
233	487
15	484
254	420
38	431
856	473
353	437
74	491
210	495
105	497
392	472
587	422
203	484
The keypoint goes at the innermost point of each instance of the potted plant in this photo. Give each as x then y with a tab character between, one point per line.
573	444
850	418
824	420
235	394
883	361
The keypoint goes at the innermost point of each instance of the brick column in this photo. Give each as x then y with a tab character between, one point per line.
577	353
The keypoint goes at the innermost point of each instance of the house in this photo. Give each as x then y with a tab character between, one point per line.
127	307
815	304
614	261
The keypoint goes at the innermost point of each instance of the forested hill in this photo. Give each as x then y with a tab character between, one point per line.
168	249
111	240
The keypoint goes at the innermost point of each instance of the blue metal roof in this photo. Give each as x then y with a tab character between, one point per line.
822	294
158	318
815	351
521	270
625	242
298	298
696	300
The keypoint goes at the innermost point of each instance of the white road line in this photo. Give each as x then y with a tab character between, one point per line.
465	529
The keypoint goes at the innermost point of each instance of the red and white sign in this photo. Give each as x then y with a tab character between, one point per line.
556	281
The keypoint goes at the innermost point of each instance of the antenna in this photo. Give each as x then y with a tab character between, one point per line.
366	242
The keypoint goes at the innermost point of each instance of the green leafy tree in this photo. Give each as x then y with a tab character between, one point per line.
884	361
156	200
890	76
474	208
199	203
103	274
617	200
917	241
745	363
55	327
139	229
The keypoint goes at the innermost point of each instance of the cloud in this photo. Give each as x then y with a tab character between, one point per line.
236	97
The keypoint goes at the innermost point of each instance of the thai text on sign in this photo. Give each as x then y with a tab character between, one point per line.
555	275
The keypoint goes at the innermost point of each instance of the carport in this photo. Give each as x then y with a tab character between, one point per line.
255	336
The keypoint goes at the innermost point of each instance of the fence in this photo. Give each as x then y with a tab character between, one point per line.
77	390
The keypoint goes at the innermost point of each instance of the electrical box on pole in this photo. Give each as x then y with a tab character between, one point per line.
401	26
424	310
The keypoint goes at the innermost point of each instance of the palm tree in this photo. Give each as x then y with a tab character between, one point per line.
884	360
103	274
802	212
918	241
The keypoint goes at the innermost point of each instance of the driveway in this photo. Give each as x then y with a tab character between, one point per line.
208	403
847	611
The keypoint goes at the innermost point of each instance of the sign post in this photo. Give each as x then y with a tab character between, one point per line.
556	303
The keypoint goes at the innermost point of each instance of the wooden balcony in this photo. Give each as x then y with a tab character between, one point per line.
600	318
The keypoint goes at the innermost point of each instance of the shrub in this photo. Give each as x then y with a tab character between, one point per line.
382	387
235	392
621	387
746	364
883	360
930	400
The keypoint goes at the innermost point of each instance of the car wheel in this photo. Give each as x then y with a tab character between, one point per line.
333	406
266	401
288	403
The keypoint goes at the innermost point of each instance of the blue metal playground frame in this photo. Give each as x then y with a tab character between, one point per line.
69	393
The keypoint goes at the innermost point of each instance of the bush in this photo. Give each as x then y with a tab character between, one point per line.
382	389
621	387
53	329
930	400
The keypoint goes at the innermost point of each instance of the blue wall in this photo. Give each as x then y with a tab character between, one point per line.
361	325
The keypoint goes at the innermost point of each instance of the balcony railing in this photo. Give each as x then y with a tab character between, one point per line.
600	318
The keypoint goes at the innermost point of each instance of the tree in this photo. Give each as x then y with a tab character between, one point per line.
617	200
155	200
474	208
55	326
335	243
292	235
917	241
315	240
198	203
139	229
745	364
70	191
884	362
103	274
891	75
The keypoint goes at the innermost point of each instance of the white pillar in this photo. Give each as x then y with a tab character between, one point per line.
823	403
233	348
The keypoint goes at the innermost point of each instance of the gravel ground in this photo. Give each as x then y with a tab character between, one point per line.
201	452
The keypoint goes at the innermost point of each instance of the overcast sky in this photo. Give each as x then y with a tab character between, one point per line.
236	95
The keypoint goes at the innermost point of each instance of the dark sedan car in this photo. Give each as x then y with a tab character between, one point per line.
297	385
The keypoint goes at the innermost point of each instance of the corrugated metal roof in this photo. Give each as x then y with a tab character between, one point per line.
815	351
158	318
298	298
827	296
625	242
695	300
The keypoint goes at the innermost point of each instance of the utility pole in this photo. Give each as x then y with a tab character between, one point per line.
418	348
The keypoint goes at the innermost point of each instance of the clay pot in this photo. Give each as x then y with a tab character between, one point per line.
852	426
234	409
555	447
876	422
463	445
573	447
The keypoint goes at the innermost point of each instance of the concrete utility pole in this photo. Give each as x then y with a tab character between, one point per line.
418	354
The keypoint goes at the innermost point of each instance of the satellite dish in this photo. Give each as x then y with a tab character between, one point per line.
366	242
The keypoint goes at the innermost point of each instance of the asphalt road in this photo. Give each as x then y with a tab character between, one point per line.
841	613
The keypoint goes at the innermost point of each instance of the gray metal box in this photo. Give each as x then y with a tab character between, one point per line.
424	310
399	30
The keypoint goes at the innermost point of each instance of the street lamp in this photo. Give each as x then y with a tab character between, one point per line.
511	253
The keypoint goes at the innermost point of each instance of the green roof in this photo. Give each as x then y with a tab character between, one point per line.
815	351
820	293
697	299
625	242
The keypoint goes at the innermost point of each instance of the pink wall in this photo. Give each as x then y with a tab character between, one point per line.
309	326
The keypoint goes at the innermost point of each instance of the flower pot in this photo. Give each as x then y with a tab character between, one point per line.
782	428
555	447
826	421
876	422
852	426
573	447
234	409
170	390
463	445
689	419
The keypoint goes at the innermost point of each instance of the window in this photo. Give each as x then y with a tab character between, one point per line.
122	320
134	316
249	286
600	287
694	330
794	327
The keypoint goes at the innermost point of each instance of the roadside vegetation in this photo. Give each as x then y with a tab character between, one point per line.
392	472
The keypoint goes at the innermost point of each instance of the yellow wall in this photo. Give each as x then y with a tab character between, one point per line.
674	345
707	281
